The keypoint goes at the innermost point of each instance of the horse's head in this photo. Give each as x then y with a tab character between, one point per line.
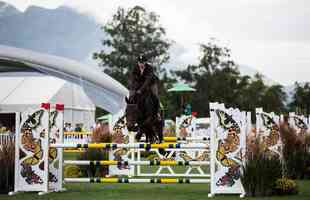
132	114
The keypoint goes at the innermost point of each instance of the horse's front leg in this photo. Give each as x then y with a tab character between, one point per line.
161	130
147	124
157	128
149	135
139	134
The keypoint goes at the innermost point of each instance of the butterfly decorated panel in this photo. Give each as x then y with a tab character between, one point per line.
56	124
268	129
121	135
228	128
185	126
299	123
32	143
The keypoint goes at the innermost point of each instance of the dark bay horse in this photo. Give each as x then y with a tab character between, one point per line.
143	117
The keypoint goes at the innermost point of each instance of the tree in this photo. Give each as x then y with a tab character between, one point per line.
216	78
131	33
253	93
301	99
214	57
257	94
274	98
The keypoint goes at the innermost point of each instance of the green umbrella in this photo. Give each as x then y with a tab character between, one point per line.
181	87
105	118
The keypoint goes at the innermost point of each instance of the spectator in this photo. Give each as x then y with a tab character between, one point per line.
70	128
78	128
66	127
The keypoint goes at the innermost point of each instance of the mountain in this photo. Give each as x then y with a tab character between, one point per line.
290	90
7	10
61	31
250	71
65	32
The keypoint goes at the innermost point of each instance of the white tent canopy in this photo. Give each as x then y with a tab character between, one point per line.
23	90
28	79
104	91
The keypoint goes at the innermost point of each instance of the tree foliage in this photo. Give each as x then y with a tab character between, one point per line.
135	31
131	33
301	99
217	79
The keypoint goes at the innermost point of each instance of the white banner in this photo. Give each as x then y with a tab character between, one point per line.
56	126
267	128
190	126
299	123
185	126
120	135
228	145
31	156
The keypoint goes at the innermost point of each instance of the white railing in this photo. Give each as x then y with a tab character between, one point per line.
77	137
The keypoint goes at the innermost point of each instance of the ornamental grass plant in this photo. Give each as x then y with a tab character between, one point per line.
7	160
260	171
296	152
100	135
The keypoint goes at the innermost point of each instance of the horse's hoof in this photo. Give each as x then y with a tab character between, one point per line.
161	151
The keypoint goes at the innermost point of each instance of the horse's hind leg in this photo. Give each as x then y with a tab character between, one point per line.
152	136
139	135
158	131
160	137
148	129
147	137
146	133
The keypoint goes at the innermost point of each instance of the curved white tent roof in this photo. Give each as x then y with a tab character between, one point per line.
103	90
21	91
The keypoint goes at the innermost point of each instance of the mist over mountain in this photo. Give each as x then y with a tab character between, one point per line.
7	9
249	71
62	31
68	33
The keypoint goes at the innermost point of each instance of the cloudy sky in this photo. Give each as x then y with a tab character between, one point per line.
272	36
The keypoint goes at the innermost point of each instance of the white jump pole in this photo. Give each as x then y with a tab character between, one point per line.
127	180
148	163
132	146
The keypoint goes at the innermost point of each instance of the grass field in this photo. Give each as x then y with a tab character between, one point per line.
145	191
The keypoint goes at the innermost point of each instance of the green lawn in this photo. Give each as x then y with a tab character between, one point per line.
145	191
147	169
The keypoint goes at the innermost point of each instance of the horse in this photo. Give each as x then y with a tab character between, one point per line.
142	117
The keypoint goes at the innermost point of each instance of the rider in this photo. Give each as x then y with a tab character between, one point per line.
144	81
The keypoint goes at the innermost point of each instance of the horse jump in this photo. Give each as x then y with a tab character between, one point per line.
140	180
147	163
50	145
143	146
132	146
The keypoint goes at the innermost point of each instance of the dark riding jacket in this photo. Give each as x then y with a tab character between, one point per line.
145	82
